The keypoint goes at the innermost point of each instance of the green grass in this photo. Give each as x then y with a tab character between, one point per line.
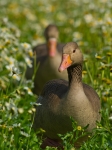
21	27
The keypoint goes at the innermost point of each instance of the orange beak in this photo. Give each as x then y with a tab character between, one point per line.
66	62
52	43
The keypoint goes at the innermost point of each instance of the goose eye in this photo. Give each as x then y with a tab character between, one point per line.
74	51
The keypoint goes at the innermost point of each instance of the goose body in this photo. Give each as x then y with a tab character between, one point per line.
48	56
62	99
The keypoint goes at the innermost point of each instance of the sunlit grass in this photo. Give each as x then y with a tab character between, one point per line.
21	27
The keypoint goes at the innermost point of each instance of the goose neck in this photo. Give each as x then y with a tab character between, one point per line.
75	74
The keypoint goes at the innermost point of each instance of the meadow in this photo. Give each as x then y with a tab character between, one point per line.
22	23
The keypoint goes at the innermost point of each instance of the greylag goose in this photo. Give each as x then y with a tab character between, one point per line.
49	56
62	99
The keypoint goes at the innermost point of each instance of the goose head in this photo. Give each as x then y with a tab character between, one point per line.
51	34
71	56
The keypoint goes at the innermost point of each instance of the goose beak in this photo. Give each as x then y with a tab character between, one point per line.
52	43
66	62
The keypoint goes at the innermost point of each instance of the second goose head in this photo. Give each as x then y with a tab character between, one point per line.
51	34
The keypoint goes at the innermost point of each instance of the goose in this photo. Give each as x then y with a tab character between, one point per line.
48	56
61	99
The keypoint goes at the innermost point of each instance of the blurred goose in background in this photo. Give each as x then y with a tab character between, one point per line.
49	56
63	99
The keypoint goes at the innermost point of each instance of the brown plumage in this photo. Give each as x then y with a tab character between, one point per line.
48	55
61	99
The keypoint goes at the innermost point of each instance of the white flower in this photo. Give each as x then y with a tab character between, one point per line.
10	60
28	90
26	45
8	67
5	19
30	52
16	125
33	110
16	77
88	18
36	104
100	22
110	118
11	106
14	72
30	111
77	36
29	62
30	83
25	87
20	110
104	1
24	134
61	16
109	20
